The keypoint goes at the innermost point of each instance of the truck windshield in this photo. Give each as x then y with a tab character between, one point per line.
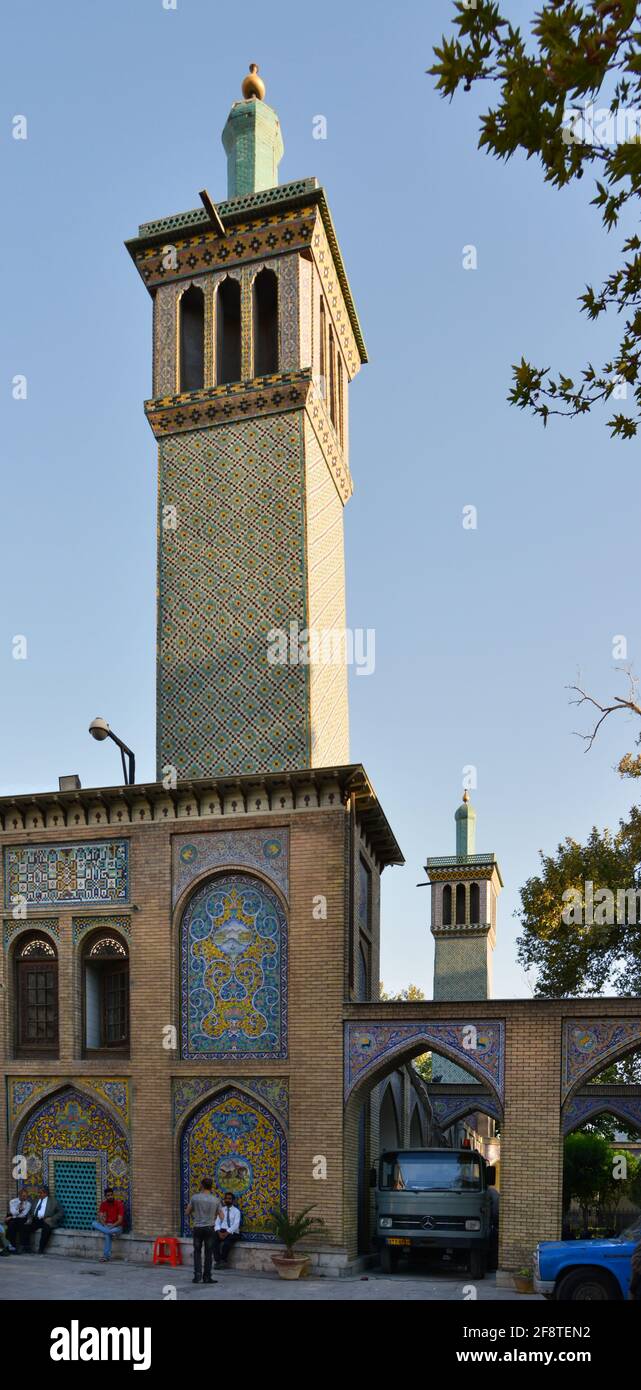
431	1172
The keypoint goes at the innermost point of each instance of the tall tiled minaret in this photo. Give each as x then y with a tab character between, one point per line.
256	339
465	890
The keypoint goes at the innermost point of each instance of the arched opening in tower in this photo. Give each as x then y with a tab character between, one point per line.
228	356
265	315
192	340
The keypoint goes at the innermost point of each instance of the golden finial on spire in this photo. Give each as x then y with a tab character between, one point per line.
253	85
466	795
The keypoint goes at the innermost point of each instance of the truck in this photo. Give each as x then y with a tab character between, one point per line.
435	1200
592	1271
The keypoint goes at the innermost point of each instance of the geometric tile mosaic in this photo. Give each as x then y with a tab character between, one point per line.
55	874
234	971
81	925
193	855
50	925
230	569
273	1091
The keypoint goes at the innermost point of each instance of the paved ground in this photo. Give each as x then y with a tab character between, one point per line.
29	1277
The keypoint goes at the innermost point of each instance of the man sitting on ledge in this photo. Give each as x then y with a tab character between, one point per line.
226	1231
112	1215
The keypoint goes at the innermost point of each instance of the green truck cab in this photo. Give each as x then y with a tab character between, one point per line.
435	1199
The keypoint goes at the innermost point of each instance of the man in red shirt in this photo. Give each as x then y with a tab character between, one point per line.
111	1215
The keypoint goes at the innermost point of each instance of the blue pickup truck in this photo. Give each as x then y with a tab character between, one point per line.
579	1270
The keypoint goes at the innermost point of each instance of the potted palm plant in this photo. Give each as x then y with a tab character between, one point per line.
289	1232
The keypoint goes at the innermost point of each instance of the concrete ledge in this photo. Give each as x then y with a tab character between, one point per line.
251	1257
505	1279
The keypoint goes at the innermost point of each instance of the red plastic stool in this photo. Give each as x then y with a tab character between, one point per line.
167	1251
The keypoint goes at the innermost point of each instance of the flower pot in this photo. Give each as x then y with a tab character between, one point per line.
291	1266
523	1283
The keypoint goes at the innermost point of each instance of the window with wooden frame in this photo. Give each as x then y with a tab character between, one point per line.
106	994
36	997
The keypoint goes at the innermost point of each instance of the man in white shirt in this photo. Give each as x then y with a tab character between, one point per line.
226	1230
18	1212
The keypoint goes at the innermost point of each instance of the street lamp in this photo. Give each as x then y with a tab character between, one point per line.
99	729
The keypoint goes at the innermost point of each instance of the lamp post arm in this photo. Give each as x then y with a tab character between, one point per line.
129	768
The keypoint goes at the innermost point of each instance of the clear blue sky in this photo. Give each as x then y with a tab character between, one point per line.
478	633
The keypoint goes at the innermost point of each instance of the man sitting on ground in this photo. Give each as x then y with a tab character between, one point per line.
111	1215
226	1230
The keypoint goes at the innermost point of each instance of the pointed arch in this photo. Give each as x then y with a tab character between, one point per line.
580	1110
191	338
373	1050
228	332
390	1136
35	994
447	905
460	904
475	904
73	1142
235	1140
233	970
265	322
416	1128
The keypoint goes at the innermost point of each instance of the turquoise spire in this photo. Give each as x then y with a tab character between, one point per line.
252	140
465	818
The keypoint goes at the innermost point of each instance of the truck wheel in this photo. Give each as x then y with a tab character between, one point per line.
477	1264
593	1285
389	1259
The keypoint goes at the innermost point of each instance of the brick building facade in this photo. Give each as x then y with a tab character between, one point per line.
189	966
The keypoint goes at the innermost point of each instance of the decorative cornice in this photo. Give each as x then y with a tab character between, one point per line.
456	874
206	251
218	405
288	228
24	817
462	930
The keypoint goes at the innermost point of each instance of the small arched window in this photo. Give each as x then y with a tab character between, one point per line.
363	969
332	379
265	321
106	993
228	342
447	905
341	402
460	903
475	904
322	355
37	996
192	339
